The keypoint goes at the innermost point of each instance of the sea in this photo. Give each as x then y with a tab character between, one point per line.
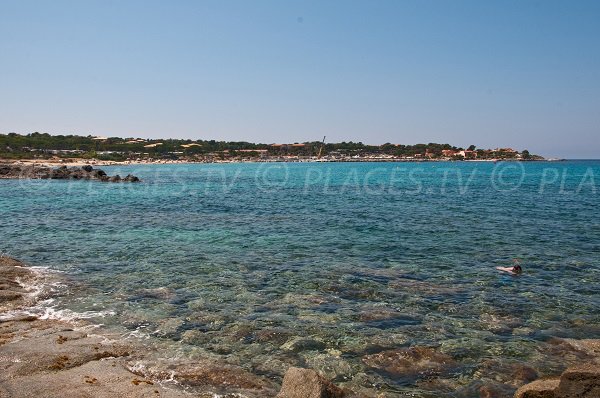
336	267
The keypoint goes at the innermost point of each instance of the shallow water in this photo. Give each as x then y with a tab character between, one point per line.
234	261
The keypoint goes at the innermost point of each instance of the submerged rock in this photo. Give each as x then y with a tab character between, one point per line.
298	344
513	373
205	373
272	335
499	324
409	361
306	383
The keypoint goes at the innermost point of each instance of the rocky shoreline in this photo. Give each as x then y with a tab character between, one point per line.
16	171
56	358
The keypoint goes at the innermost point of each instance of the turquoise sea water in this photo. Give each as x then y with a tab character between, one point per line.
237	260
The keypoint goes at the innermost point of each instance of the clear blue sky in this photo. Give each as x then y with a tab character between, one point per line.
492	73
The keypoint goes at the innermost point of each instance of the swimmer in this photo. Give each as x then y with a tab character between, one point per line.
516	269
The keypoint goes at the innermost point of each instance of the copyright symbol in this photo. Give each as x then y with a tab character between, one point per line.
271	176
33	185
508	176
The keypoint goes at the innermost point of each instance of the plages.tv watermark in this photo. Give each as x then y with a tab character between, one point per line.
412	180
334	179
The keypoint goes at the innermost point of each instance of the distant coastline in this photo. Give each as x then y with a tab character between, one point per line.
95	150
96	162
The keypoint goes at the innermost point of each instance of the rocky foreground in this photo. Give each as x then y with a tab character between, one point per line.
16	171
580	381
54	358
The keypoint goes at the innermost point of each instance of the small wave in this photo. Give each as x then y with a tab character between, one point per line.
69	315
137	334
41	290
43	285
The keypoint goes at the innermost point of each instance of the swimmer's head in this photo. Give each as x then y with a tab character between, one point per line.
517	268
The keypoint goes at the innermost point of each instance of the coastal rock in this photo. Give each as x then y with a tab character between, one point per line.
97	379
50	358
581	381
306	383
538	389
220	378
55	349
410	361
87	172
12	274
131	178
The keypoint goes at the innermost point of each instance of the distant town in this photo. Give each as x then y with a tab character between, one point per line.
75	148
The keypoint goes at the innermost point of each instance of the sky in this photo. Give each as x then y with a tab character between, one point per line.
522	74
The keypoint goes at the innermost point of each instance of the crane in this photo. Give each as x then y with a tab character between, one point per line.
321	149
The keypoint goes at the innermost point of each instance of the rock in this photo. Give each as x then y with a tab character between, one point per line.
331	367
306	383
589	347
409	361
7	295
195	337
99	173
272	335
543	388
48	358
205	373
514	373
499	324
60	173
572	351
169	327
495	391
19	318
131	178
524	374
298	344
581	381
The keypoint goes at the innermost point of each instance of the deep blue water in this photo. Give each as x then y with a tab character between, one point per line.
235	260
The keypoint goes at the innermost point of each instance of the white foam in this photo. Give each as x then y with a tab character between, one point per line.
137	334
69	315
